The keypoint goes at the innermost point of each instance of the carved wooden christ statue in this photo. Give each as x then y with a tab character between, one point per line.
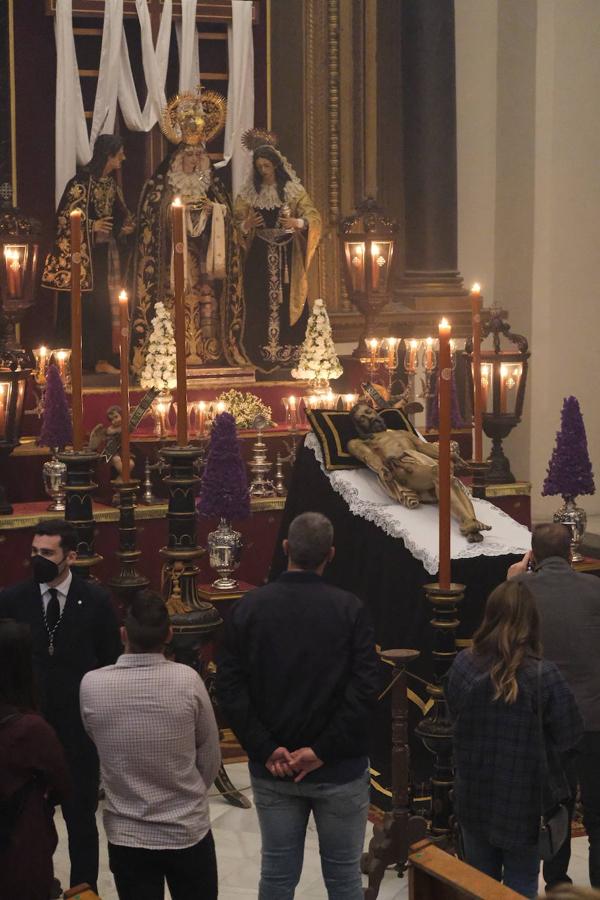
214	301
407	468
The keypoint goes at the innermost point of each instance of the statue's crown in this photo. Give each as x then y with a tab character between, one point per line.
194	117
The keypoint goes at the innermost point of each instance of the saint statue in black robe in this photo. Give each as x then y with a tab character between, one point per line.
106	224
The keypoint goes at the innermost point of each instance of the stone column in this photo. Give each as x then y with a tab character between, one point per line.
430	279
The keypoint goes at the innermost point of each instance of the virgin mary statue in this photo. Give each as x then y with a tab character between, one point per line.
279	231
213	291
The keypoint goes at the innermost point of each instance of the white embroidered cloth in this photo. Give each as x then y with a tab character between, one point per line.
418	528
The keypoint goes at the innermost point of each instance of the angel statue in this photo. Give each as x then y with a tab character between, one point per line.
407	468
280	230
214	303
106	440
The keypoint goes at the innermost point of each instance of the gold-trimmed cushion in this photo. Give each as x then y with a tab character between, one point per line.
334	428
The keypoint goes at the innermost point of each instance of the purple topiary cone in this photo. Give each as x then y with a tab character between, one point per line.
224	492
570	470
57	428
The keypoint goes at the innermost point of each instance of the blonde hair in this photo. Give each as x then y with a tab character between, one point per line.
510	631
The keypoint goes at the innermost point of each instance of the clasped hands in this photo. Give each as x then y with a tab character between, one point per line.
297	764
104	226
254	219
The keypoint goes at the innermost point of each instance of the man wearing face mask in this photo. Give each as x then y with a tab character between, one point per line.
74	630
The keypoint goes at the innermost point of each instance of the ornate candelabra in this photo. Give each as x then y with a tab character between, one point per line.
79	488
392	839
280	488
435	730
259	465
193	620
129	579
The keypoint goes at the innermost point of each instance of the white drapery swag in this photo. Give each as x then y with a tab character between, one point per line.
115	81
240	94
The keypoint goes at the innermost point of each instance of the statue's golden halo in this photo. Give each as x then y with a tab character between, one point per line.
194	117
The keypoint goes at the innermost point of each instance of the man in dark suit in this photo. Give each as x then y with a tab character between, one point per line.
297	678
74	629
569	607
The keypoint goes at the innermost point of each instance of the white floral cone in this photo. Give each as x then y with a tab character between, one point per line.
318	360
159	372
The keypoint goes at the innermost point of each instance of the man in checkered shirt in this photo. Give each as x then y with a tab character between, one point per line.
155	731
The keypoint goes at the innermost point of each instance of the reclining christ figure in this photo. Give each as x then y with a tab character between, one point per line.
407	468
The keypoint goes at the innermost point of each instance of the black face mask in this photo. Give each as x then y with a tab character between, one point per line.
44	570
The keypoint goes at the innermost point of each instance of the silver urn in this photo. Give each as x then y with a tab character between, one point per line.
225	551
575	518
54	473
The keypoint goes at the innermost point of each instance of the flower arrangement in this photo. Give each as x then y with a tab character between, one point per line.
569	469
224	491
159	372
318	360
244	407
57	428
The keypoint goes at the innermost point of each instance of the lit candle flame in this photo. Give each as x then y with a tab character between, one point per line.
177	202
476	288
123	298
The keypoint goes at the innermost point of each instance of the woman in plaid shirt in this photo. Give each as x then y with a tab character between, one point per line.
491	691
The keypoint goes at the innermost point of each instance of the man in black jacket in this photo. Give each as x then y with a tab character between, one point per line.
73	629
297	676
569	607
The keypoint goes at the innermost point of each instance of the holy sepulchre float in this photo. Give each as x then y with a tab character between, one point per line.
166	294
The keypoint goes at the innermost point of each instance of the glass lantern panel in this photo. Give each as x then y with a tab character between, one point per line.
510	377
486	388
379	259
355	261
15	266
508	388
5	395
62	360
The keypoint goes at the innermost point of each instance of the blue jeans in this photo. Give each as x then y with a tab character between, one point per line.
340	813
517	869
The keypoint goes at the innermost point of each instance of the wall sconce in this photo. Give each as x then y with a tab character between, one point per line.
368	245
19	257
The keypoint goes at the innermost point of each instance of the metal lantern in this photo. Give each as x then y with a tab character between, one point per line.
19	259
503	381
368	242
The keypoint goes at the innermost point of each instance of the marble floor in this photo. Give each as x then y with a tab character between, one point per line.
237	840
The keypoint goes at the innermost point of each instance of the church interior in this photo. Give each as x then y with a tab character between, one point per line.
269	257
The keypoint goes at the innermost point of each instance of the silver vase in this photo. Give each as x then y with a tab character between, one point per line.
225	550
54	473
575	518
